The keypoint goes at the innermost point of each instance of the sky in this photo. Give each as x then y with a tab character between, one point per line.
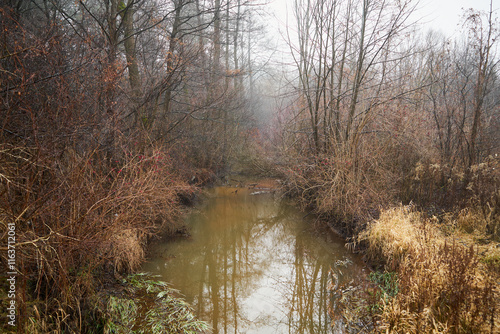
443	15
446	15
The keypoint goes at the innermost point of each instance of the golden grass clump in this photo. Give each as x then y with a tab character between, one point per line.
398	232
479	221
442	285
126	248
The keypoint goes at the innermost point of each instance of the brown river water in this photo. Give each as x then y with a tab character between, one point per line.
255	264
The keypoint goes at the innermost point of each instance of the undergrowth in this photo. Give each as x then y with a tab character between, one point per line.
147	306
137	304
79	219
436	255
346	191
442	284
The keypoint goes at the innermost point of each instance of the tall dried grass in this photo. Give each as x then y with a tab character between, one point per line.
438	187
395	234
347	191
443	287
349	185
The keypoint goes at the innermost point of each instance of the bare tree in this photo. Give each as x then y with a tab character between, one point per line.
482	36
342	56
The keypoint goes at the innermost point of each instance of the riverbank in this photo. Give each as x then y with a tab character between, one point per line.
446	280
436	261
83	229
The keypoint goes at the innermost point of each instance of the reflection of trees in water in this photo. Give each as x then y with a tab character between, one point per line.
308	295
239	243
232	229
309	298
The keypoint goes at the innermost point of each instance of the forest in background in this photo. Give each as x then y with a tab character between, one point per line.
115	112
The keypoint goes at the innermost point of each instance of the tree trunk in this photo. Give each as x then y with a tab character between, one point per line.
170	57
130	53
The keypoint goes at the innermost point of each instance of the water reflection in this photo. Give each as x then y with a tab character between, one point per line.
253	265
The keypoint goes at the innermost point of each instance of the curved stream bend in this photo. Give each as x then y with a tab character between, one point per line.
255	265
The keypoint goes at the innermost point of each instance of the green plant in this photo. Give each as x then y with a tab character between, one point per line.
386	281
148	307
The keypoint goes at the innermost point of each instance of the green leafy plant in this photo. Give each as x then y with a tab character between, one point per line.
149	307
386	281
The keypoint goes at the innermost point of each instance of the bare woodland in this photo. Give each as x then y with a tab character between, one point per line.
377	98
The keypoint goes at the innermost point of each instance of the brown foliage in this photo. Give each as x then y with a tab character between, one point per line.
437	187
83	196
79	218
349	189
442	286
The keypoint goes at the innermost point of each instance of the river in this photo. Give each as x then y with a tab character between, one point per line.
255	264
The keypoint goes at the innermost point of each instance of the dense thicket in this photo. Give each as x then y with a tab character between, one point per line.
381	116
111	113
384	114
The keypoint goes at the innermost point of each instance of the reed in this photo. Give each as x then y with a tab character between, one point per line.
148	307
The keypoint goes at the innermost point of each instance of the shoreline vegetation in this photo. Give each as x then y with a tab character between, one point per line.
435	268
433	271
82	229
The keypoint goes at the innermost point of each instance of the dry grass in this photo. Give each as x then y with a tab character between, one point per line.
79	219
344	189
126	248
84	184
447	265
444	287
398	232
476	199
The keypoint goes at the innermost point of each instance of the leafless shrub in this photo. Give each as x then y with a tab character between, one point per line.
82	195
